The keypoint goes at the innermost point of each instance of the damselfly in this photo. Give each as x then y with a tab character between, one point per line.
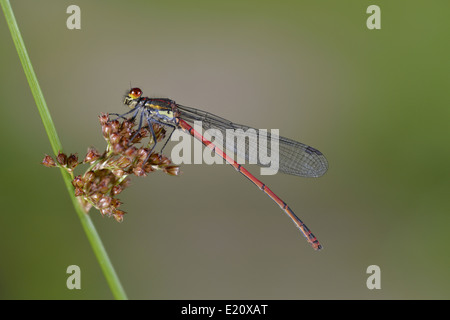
295	158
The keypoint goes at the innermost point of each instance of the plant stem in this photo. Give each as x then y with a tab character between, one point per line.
86	222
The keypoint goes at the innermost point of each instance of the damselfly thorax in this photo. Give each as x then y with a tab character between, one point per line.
158	109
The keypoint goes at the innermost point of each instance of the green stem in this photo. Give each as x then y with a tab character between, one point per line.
88	226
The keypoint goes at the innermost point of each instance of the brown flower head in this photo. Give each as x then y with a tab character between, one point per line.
109	172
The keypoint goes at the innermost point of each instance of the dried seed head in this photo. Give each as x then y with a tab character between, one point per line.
123	162
118	173
140	135
148	167
61	158
155	159
106	211
78	182
138	171
104	185
114	138
115	126
48	161
104	202
117	148
106	130
109	171
103	118
165	161
89	176
130	152
92	155
160	132
115	203
172	170
78	192
127	125
72	161
142	154
95	197
116	190
118	215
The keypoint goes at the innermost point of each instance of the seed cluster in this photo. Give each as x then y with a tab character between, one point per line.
108	174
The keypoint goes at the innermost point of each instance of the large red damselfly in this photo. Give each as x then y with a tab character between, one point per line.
295	158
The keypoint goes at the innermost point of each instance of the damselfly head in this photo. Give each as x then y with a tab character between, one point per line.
135	93
132	97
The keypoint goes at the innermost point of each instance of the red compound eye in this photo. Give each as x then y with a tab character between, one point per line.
135	93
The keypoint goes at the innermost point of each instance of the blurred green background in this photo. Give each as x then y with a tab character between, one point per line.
375	102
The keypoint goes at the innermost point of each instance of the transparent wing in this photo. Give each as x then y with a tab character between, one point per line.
294	158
